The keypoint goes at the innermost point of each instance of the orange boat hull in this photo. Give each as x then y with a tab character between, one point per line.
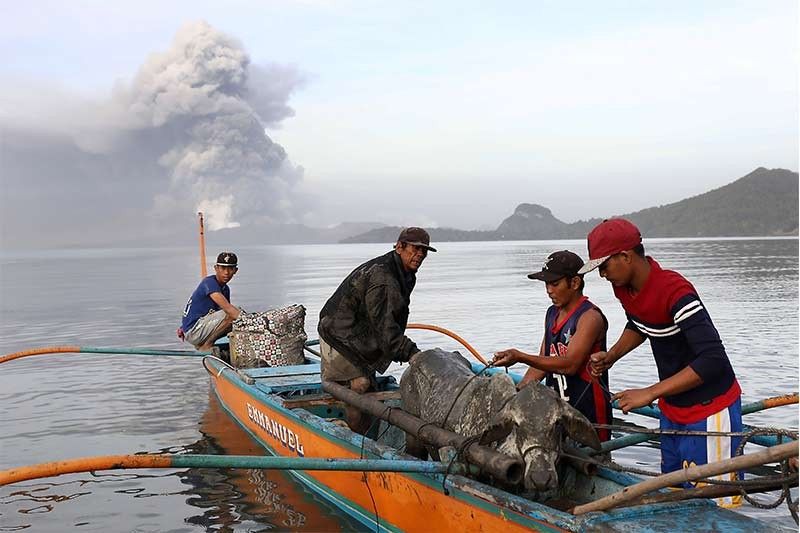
407	502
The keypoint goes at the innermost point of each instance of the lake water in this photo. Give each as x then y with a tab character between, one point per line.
63	406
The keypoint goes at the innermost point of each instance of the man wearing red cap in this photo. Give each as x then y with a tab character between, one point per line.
697	390
362	326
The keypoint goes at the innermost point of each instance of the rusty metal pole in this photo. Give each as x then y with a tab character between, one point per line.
203	271
498	465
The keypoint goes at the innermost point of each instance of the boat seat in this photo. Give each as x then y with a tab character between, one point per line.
313	400
277	379
274	379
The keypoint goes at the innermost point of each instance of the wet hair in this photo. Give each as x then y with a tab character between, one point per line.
639	250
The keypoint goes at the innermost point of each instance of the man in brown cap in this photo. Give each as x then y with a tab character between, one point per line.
362	326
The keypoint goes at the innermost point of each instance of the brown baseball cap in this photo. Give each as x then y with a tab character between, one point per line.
417	237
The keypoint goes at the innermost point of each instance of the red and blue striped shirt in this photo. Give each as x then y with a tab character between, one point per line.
669	313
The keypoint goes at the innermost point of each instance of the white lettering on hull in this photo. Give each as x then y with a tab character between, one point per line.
280	433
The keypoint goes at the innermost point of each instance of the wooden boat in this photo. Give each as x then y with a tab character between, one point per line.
270	498
286	411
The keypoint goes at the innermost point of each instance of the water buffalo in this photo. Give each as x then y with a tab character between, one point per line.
530	424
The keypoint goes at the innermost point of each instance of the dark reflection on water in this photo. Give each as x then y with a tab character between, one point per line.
66	406
269	499
211	499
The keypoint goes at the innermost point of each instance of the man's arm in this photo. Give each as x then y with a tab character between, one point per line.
703	339
589	327
382	303
710	359
601	361
230	310
684	380
533	374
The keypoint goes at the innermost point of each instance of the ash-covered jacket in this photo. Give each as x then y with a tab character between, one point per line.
365	319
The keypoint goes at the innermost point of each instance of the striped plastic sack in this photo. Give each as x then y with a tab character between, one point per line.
269	338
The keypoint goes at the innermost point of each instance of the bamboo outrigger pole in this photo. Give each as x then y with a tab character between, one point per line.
770	455
713	491
652	412
48	350
115	462
203	271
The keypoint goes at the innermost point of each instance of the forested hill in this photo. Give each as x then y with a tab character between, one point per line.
762	203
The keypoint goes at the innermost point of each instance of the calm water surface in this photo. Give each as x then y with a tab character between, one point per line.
64	406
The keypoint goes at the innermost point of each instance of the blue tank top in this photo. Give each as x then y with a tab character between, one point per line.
587	395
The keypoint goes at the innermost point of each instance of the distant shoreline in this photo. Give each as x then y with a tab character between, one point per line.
45	252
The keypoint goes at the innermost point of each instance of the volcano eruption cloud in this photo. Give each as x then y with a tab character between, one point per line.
187	133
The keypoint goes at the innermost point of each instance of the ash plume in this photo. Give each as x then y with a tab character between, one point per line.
185	134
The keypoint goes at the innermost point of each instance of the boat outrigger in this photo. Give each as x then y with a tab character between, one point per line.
297	418
293	414
299	421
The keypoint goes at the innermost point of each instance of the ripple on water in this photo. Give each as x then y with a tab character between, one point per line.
66	406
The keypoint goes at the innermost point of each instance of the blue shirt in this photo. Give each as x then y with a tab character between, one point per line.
200	302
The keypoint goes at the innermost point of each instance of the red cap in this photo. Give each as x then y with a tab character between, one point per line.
610	237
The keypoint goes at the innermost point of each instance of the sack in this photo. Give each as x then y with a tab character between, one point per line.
269	338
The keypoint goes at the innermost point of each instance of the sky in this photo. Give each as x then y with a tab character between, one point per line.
137	114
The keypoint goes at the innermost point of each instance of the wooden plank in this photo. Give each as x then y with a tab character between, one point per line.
280	371
284	381
314	400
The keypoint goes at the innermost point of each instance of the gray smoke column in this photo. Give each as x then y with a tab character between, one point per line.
198	98
186	133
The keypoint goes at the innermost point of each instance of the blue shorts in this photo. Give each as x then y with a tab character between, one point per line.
684	451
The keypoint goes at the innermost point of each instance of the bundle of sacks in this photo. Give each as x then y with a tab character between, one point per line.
269	338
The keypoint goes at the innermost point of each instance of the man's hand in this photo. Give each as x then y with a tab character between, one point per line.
599	362
506	357
633	398
179	333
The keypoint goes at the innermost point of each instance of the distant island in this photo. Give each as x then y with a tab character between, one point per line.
762	203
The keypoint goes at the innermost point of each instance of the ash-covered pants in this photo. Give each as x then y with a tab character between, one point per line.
335	367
